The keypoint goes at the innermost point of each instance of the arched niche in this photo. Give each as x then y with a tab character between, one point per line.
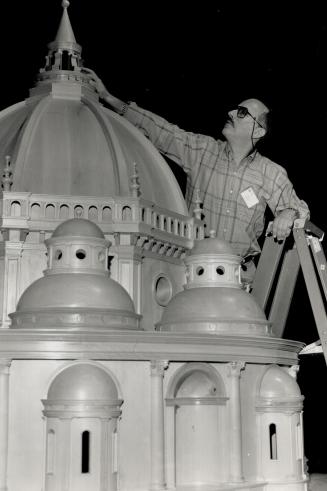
196	414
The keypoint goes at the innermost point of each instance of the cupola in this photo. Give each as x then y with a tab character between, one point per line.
76	291
64	52
213	300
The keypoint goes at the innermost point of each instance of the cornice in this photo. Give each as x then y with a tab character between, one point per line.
148	345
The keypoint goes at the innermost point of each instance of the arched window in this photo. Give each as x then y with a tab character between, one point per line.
126	214
63	211
50	211
106	214
78	211
35	210
15	209
85	452
273	441
93	213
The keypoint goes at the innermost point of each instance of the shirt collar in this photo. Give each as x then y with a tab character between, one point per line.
249	158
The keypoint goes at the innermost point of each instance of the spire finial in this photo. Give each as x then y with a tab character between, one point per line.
135	184
65	34
7	175
64	52
197	211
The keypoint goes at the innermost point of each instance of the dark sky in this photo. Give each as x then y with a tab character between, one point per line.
190	62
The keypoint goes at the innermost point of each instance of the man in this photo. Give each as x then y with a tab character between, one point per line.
236	183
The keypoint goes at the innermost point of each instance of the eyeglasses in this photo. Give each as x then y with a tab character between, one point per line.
243	111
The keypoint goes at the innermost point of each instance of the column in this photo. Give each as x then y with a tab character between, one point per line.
236	467
157	426
4	420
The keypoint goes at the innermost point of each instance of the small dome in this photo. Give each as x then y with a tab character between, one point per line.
277	383
211	245
78	227
83	382
196	309
75	291
72	295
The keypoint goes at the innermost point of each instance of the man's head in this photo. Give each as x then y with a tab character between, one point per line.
247	123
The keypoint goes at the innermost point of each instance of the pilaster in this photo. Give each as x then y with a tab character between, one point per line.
4	420
158	482
236	466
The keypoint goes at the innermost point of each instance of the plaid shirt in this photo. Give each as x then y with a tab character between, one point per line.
210	167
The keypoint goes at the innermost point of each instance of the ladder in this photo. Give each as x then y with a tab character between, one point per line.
306	252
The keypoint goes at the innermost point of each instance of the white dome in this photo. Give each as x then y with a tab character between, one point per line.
96	152
78	227
82	382
277	383
72	296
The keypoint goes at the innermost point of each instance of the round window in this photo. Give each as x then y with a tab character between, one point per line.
162	290
81	254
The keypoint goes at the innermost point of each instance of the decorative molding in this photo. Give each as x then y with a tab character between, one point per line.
67	409
80	319
289	405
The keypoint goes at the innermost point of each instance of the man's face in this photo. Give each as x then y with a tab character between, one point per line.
245	129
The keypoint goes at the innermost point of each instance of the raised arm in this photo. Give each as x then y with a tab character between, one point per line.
183	147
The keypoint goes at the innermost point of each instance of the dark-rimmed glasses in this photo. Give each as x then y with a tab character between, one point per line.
243	111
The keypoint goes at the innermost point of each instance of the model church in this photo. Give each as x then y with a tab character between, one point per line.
131	359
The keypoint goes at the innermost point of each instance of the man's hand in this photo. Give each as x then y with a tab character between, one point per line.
283	223
96	81
101	89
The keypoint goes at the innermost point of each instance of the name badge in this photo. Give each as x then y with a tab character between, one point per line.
249	197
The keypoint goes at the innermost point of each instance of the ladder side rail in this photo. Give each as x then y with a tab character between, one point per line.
284	292
312	285
310	228
266	270
320	261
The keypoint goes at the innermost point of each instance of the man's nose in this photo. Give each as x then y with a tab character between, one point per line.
232	113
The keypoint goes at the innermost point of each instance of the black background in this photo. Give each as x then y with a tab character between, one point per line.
190	62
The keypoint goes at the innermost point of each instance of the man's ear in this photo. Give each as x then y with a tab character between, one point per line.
259	132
